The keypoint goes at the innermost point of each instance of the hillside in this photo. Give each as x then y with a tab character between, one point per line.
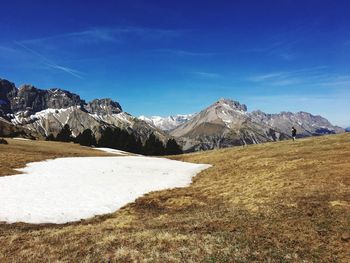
277	202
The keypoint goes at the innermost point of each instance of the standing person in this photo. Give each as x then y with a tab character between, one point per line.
294	133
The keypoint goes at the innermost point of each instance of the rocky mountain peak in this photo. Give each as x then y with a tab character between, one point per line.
104	107
6	87
230	104
7	91
27	88
32	99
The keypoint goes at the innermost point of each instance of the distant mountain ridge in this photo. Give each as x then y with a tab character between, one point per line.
35	113
226	123
305	123
167	123
45	112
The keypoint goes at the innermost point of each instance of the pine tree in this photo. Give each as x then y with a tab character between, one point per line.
153	146
172	147
50	137
117	138
65	135
106	139
135	145
87	138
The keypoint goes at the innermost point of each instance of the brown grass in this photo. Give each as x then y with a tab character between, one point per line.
277	202
17	153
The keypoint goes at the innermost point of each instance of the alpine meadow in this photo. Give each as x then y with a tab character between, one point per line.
185	131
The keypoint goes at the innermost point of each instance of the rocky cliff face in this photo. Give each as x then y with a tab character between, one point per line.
7	92
104	107
30	99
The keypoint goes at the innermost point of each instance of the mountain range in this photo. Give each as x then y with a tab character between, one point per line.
35	113
227	122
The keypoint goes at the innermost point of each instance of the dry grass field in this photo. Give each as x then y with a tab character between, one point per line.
276	202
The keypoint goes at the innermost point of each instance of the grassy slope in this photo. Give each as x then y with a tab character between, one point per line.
279	202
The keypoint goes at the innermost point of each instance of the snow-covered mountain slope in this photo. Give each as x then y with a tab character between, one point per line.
51	121
167	123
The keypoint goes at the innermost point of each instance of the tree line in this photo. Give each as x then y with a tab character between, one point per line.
117	138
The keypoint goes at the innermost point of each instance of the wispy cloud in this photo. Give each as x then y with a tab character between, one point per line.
284	44
49	63
268	76
109	34
336	81
286	78
5	49
206	75
180	52
280	48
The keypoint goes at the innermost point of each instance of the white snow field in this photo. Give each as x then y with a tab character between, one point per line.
69	189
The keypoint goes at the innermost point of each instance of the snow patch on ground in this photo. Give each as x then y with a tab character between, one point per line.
21	139
69	189
114	151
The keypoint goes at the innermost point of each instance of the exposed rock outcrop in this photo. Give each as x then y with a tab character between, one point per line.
104	107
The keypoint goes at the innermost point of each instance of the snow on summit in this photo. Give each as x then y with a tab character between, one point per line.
70	189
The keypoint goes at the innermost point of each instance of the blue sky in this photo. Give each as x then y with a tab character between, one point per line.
169	57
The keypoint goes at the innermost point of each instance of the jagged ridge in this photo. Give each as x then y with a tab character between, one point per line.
46	111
